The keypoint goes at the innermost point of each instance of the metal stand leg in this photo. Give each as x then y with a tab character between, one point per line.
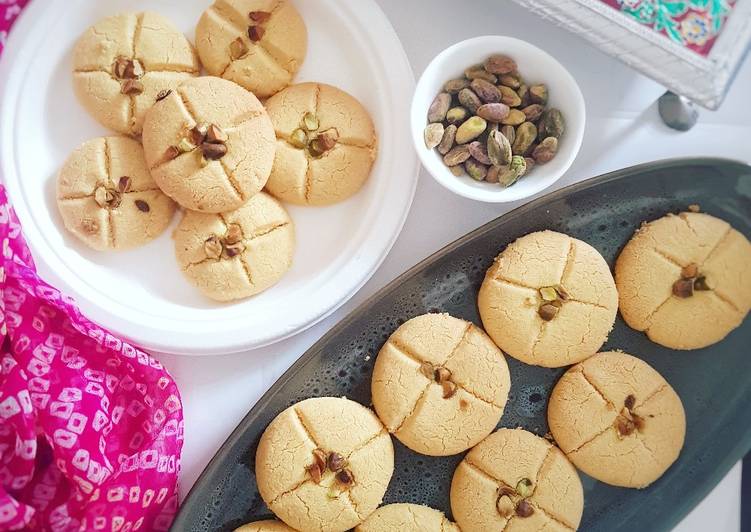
677	112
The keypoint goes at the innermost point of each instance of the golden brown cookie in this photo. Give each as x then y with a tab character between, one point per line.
407	518
209	145
617	419
124	62
440	384
326	144
265	526
548	300
685	280
107	197
324	464
236	254
514	480
259	44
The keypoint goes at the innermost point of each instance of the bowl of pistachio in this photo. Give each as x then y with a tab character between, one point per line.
497	119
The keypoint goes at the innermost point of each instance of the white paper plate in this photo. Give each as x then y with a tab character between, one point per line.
142	294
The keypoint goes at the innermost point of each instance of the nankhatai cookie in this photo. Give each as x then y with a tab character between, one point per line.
617	419
685	280
548	300
324	464
107	197
514	480
440	384
258	44
265	526
326	144
124	63
239	253
209	145
407	518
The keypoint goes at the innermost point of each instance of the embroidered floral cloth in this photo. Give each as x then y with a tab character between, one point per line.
91	428
694	24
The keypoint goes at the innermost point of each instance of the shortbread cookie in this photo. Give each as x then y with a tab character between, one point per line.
617	419
259	44
514	480
548	300
324	464
407	518
685	280
326	144
265	526
236	254
440	384
209	145
107	197
124	63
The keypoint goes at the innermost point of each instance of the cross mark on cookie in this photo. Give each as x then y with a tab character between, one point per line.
519	502
251	35
129	72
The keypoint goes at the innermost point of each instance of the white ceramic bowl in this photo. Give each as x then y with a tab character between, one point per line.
535	66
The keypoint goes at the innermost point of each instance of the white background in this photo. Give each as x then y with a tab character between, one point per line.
622	129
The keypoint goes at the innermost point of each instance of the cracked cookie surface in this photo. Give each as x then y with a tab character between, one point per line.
298	477
239	253
118	97
179	154
107	198
617	419
265	526
440	384
258	44
516	481
407	518
548	300
307	170
659	255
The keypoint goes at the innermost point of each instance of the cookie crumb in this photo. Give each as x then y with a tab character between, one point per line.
694	207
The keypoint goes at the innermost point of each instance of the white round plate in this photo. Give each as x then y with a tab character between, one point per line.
141	294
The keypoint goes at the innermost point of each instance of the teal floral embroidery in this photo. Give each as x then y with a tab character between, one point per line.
661	15
692	23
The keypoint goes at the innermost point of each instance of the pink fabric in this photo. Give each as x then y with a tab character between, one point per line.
91	428
9	10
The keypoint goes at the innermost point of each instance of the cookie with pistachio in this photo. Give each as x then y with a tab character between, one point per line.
239	253
440	384
258	44
107	198
324	464
326	144
617	419
124	63
685	280
548	300
516	481
209	145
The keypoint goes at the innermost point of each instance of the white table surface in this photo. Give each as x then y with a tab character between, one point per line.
623	129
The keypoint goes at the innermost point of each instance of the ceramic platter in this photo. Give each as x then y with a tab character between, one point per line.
142	294
713	382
